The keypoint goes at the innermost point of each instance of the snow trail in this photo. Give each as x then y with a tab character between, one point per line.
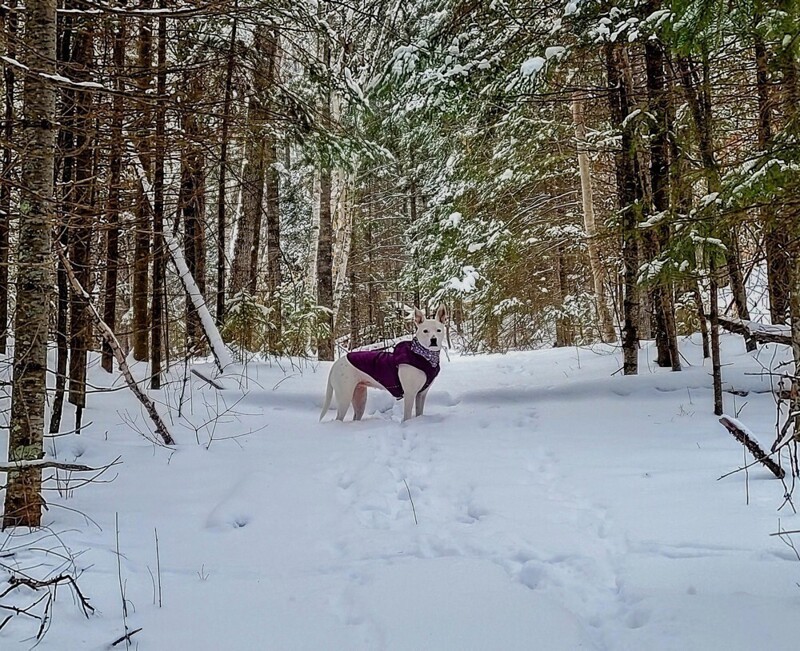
557	507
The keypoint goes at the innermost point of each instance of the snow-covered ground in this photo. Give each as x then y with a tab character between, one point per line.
541	503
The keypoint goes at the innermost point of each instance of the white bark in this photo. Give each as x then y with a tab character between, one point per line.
221	355
595	263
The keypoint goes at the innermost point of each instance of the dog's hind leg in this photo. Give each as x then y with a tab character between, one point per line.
327	401
345	390
359	401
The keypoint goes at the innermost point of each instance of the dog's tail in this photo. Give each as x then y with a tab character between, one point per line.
328	396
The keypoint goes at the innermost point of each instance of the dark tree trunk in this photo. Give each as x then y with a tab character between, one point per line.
65	162
143	78
23	499
192	203
372	307
115	181
776	237
6	181
698	94
790	100
564	334
662	295
412	213
244	272
716	362
222	220
325	263
355	296
628	199
141	281
159	266
273	242
81	209
245	250
325	348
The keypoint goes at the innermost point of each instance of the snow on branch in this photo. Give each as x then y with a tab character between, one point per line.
218	348
762	332
60	80
742	434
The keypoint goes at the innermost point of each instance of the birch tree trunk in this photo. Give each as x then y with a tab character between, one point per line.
23	500
587	201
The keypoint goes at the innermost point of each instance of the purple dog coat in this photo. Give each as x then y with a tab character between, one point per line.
382	366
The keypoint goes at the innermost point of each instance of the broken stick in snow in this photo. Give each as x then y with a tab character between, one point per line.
208	380
741	434
108	335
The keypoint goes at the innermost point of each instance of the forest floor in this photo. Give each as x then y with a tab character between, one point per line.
543	502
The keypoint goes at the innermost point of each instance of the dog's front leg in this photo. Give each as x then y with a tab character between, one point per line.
421	401
412	380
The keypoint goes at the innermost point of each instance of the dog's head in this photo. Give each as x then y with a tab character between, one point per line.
430	332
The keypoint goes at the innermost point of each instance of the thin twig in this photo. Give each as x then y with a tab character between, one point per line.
410	499
126	638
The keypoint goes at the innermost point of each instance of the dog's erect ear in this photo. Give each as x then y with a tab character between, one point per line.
441	313
419	316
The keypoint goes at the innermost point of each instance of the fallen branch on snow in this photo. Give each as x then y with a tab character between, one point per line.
108	335
126	638
208	380
761	332
744	437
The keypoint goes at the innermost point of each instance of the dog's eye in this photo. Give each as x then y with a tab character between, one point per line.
438	329
425	331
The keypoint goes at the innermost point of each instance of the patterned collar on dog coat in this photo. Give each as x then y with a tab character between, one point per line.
382	366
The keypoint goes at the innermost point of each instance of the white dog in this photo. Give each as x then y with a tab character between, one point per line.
406	372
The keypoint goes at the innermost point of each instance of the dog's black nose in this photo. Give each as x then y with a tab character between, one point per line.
433	341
